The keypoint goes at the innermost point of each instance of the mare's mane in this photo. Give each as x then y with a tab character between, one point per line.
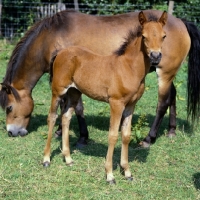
21	49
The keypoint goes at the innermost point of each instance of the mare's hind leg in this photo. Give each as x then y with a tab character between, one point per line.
167	97
82	141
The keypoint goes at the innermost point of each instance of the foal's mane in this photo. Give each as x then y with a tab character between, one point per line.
21	49
132	35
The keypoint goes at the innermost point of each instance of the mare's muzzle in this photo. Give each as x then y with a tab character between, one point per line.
14	130
155	57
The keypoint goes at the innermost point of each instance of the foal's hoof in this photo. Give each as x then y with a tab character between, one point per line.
112	182
82	142
46	164
70	164
129	178
144	144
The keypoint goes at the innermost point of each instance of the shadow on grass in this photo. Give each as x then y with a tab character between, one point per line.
196	180
102	123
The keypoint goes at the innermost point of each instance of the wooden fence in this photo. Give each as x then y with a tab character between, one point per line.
49	9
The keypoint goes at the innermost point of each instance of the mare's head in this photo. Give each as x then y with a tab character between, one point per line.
27	64
17	115
153	36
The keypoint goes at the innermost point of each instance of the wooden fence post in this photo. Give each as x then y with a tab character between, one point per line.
171	7
76	5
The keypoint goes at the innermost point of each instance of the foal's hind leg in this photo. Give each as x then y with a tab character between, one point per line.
82	141
126	134
72	100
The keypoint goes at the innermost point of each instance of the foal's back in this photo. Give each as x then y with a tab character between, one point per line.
97	76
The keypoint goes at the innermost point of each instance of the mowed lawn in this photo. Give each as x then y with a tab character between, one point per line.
169	169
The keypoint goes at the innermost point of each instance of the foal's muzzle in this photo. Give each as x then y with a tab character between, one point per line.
155	57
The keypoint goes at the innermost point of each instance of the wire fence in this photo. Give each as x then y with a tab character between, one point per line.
15	19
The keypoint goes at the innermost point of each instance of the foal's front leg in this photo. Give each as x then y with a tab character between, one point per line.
51	122
116	109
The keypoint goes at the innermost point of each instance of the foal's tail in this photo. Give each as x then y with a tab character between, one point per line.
54	54
193	84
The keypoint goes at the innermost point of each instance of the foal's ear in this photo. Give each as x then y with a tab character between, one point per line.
142	18
163	18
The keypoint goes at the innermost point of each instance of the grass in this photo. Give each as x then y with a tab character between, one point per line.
170	169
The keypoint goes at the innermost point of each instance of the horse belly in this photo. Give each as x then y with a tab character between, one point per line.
92	84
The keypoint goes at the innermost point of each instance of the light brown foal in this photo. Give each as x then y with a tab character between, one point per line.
117	79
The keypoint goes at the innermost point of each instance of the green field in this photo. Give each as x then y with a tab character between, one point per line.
169	169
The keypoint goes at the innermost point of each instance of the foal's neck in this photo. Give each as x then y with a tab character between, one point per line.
134	48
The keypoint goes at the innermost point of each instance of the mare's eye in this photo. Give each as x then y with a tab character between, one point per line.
143	37
9	109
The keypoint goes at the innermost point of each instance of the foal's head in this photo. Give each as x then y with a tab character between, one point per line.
153	36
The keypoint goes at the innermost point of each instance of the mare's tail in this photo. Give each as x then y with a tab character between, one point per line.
193	84
51	65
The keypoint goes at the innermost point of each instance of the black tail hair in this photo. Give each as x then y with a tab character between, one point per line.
193	83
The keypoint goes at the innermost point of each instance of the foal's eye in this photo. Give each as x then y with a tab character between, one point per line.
164	37
9	109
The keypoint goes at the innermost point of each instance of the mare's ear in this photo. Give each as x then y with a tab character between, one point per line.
163	18
142	18
5	87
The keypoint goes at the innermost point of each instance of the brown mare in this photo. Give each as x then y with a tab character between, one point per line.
103	35
117	79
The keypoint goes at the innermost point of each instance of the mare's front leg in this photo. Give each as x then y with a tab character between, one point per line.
51	122
166	98
116	110
172	112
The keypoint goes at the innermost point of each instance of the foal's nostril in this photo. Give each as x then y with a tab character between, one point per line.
155	55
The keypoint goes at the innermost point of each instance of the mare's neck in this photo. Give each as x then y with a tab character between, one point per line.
27	74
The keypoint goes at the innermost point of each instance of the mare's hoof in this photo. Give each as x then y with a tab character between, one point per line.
144	144
129	178
112	182
58	133
82	142
46	164
171	134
